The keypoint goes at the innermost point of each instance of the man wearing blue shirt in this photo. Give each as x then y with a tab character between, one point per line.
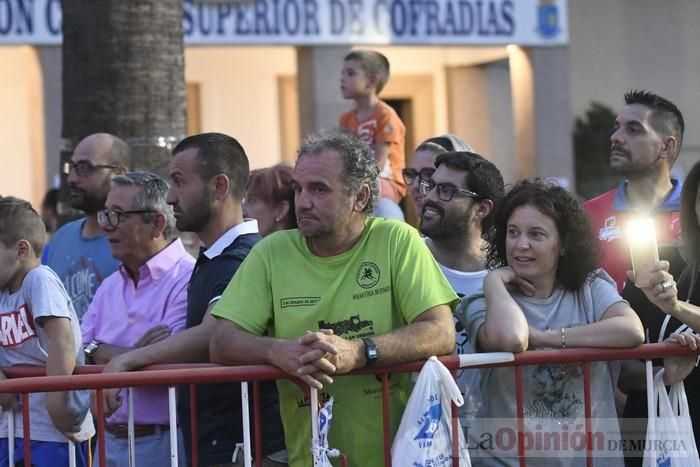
79	252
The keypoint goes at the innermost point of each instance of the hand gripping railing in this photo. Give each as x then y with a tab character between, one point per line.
24	380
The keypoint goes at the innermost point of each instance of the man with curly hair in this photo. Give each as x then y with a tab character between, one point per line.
344	291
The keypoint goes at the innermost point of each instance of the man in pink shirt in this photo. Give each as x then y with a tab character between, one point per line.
143	302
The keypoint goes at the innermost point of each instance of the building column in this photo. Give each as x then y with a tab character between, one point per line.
51	62
523	97
553	115
318	78
542	113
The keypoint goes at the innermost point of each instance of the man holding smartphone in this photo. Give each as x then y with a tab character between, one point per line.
645	143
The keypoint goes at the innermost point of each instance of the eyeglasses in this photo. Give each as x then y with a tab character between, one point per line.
410	175
113	218
84	168
445	191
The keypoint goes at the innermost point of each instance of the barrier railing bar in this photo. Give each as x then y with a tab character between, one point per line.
89	377
30	379
257	423
26	432
588	410
131	438
521	415
101	445
194	429
386	420
172	418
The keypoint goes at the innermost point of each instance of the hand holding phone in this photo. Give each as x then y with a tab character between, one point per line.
644	251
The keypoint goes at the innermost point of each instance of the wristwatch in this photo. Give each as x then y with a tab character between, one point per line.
91	348
371	351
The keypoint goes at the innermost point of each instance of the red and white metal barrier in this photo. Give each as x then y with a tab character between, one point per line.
24	380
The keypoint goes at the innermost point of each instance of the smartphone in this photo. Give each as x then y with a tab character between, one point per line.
644	251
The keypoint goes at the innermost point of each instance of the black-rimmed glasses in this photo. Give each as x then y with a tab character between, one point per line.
84	168
113	218
410	175
445	191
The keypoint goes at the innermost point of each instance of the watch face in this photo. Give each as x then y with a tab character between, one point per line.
371	351
91	347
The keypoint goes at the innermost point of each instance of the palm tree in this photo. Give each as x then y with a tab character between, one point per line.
123	73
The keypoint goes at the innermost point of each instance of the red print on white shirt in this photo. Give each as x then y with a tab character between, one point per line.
16	327
366	131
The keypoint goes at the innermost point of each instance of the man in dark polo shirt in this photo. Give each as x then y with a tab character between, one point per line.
209	173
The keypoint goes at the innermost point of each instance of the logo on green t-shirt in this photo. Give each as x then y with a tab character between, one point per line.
368	275
353	327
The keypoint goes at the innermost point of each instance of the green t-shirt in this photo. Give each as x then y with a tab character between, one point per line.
383	282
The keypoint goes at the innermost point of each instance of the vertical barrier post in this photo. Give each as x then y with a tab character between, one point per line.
71	454
521	416
386	419
194	431
100	402
26	429
588	413
455	434
11	437
131	438
245	414
172	413
257	422
314	425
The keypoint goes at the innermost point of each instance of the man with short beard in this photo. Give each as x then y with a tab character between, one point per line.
457	216
645	143
209	173
79	252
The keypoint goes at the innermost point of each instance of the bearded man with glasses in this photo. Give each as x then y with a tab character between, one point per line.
458	201
143	302
79	252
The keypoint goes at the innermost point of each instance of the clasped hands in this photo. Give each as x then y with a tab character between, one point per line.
317	355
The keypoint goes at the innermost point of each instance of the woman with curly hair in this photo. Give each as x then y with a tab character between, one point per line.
543	291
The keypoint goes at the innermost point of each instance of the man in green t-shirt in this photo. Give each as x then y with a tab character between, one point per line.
344	291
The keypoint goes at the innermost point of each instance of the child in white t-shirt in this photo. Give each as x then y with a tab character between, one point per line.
38	326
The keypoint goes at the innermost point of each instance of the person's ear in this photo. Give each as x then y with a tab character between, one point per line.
221	185
374	80
484	208
24	249
668	150
281	210
160	222
362	198
120	171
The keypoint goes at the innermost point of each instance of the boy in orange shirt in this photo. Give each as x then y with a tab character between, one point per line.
365	72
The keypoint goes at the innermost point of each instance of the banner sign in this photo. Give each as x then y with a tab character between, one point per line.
329	22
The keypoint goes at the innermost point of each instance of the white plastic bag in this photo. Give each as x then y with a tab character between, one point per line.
424	438
670	440
319	442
